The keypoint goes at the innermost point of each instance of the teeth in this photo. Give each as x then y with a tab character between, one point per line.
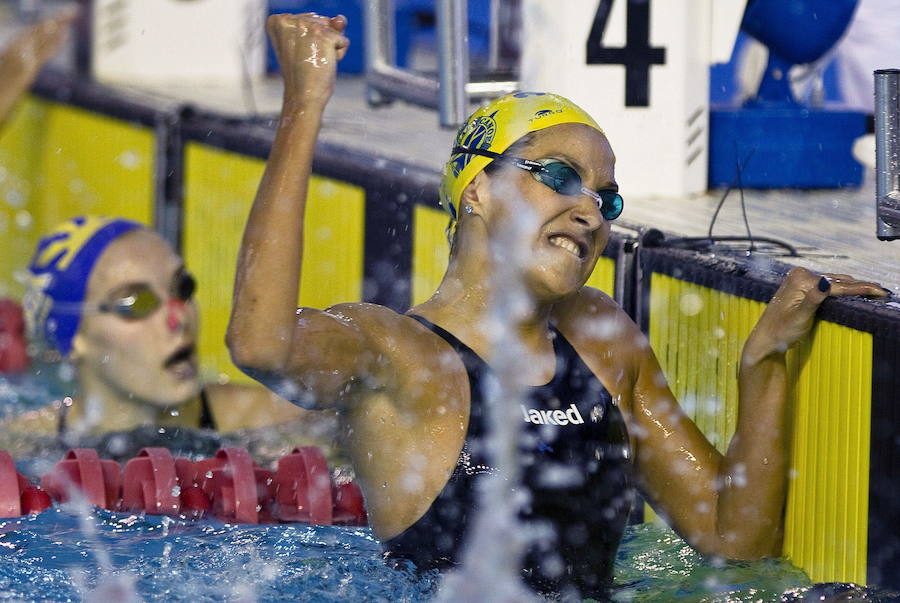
567	244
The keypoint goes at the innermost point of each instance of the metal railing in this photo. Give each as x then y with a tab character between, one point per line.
452	92
887	153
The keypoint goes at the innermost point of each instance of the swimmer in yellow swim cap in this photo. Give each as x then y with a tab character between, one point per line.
595	406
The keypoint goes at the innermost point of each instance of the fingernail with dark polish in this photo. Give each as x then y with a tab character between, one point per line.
824	285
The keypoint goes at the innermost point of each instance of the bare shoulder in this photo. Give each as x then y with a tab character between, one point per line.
42	421
606	338
232	398
388	331
412	358
242	406
593	316
589	300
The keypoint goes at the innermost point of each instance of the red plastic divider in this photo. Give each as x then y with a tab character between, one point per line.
35	500
265	493
303	488
229	485
232	486
10	488
195	504
349	505
13	343
98	480
17	495
150	483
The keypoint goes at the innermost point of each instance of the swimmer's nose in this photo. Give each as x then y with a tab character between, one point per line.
587	213
176	313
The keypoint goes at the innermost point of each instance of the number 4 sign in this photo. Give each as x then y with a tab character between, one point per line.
641	68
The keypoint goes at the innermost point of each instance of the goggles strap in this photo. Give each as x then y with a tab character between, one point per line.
528	164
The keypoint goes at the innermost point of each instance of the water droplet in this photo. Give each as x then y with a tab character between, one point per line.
691	304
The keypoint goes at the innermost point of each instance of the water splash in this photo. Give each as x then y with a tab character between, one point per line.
491	559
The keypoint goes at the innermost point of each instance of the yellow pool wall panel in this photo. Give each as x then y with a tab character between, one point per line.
826	530
604	276
219	189
698	333
431	251
58	161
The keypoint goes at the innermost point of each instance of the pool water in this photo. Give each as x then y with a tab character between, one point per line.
32	390
654	564
66	555
71	554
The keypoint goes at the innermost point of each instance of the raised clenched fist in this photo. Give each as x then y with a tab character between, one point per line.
32	48
308	47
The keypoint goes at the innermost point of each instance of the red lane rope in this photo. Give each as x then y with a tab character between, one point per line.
229	485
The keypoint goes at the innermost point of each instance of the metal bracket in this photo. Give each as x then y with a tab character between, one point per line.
452	92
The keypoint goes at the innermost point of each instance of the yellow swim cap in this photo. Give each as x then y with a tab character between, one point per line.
495	127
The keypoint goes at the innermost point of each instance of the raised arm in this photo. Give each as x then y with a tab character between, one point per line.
23	58
308	354
733	505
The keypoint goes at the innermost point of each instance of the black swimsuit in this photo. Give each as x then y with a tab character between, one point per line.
575	463
207	421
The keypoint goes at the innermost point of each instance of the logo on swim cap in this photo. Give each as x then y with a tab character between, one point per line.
59	273
544	113
477	134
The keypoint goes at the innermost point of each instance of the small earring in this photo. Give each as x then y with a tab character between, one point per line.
469	209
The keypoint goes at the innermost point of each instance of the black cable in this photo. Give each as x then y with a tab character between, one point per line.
690	242
719	207
743	204
736	181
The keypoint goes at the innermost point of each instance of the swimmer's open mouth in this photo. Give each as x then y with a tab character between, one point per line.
573	246
182	354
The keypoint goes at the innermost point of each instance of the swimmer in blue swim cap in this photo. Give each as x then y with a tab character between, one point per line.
531	186
115	301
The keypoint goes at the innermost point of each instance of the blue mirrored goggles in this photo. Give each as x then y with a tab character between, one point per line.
559	177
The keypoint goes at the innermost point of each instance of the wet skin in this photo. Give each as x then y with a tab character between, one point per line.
137	367
553	271
404	393
144	371
26	54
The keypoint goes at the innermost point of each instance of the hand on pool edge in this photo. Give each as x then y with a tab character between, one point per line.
790	314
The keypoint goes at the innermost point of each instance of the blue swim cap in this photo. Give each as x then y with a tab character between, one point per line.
59	273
